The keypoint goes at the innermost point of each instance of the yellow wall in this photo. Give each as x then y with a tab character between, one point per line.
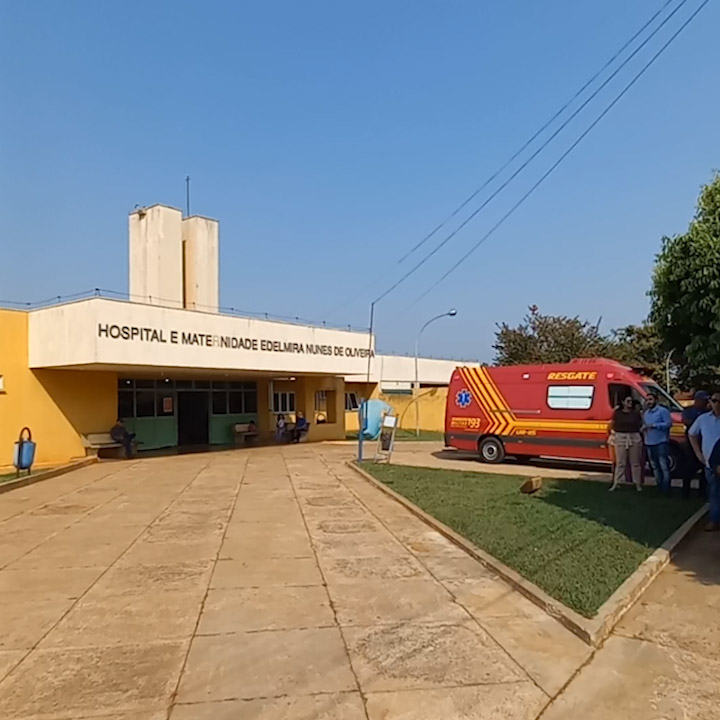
431	403
305	389
57	405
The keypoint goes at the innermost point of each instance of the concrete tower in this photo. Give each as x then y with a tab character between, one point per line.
156	256
201	240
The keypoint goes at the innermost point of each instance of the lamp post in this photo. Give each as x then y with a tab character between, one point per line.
450	313
667	370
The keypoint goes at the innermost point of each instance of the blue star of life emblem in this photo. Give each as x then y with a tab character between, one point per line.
463	398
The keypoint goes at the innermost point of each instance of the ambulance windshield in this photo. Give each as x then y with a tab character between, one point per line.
663	398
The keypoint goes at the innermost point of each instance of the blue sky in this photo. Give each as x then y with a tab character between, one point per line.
329	137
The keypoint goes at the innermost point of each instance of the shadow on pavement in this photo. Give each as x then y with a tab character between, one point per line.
699	557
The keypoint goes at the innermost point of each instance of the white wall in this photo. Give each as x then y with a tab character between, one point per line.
156	272
81	334
201	239
398	371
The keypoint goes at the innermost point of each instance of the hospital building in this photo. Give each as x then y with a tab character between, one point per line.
180	372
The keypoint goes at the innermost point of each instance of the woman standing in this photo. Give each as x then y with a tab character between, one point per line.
625	429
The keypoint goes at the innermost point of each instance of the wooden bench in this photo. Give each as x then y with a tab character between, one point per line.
290	433
242	431
96	442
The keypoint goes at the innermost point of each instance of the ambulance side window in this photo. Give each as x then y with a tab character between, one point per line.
570	397
617	392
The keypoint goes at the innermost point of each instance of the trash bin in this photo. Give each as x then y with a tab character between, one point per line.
24	451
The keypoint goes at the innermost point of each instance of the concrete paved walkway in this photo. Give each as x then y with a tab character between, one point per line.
275	583
436	455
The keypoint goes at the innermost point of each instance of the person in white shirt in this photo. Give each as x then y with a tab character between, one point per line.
704	436
280	428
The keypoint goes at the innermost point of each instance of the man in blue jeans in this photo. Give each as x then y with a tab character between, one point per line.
657	422
704	435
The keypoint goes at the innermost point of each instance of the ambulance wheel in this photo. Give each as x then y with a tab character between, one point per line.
491	450
676	460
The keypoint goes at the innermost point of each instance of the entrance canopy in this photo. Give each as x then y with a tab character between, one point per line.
110	334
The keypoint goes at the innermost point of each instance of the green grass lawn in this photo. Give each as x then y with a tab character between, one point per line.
574	539
403	435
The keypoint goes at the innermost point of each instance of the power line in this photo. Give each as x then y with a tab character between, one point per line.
563	156
494	194
514	157
538	132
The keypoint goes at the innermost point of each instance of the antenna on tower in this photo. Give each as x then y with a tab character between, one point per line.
187	195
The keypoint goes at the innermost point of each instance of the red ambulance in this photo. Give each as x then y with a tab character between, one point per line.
559	411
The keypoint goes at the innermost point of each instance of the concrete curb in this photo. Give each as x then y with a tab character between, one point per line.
593	630
46	475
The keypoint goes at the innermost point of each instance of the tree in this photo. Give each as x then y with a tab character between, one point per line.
557	339
641	346
548	339
685	293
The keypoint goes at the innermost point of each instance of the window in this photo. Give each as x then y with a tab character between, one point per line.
284	402
157	398
219	403
617	392
662	397
321	401
570	397
250	400
234	398
351	401
126	404
145	403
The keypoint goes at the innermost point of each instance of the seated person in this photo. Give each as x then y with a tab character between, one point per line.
301	426
280	426
120	434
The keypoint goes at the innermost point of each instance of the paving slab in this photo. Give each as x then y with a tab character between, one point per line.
9	659
409	657
59	552
40	584
61	684
377	567
25	621
636	679
547	652
138	579
267	608
266	664
273	543
324	706
516	700
166	553
383	602
102	620
256	571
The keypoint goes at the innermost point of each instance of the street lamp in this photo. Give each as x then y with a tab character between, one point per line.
667	370
450	313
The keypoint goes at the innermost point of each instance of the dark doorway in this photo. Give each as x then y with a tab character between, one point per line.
193	418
